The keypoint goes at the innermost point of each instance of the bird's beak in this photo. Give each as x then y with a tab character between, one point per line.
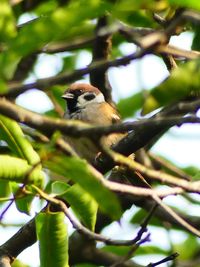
68	96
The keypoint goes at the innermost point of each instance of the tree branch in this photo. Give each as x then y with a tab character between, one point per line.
101	50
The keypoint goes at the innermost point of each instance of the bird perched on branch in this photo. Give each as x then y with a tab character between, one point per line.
86	103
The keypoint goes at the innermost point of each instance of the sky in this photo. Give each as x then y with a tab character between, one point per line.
181	145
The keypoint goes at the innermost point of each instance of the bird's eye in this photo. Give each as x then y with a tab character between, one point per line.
80	91
89	96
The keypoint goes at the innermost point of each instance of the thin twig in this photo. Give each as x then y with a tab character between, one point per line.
166	259
157	175
101	51
143	229
82	229
166	164
180	220
148	44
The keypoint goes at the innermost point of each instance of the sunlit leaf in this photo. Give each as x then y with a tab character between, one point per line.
59	188
11	132
80	172
83	205
18	170
7	21
79	200
53	239
4	189
18	263
186	3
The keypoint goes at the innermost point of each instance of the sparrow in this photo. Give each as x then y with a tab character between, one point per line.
86	103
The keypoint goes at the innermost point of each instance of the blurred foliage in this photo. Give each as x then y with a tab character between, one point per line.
18	263
176	87
63	28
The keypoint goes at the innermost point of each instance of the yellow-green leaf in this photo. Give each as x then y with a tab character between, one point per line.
7	21
83	205
11	132
82	173
53	239
18	170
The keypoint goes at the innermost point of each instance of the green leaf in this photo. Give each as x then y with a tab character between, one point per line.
22	201
82	173
3	85
8	64
11	132
59	188
83	205
128	106
7	21
193	4
18	263
124	250
192	243
53	239
196	40
4	189
176	87
18	170
118	250
80	201
65	22
192	171
85	265
24	204
149	250
139	216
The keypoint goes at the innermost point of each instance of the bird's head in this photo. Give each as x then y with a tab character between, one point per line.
79	95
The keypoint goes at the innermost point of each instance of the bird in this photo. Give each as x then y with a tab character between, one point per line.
87	103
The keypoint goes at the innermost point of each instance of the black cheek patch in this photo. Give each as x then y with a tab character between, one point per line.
89	97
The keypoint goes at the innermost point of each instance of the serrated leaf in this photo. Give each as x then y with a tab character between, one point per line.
81	172
53	239
176	87
18	170
11	132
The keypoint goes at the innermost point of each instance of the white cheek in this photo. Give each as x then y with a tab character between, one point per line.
82	102
99	98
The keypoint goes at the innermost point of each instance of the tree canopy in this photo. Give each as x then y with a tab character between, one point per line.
37	163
